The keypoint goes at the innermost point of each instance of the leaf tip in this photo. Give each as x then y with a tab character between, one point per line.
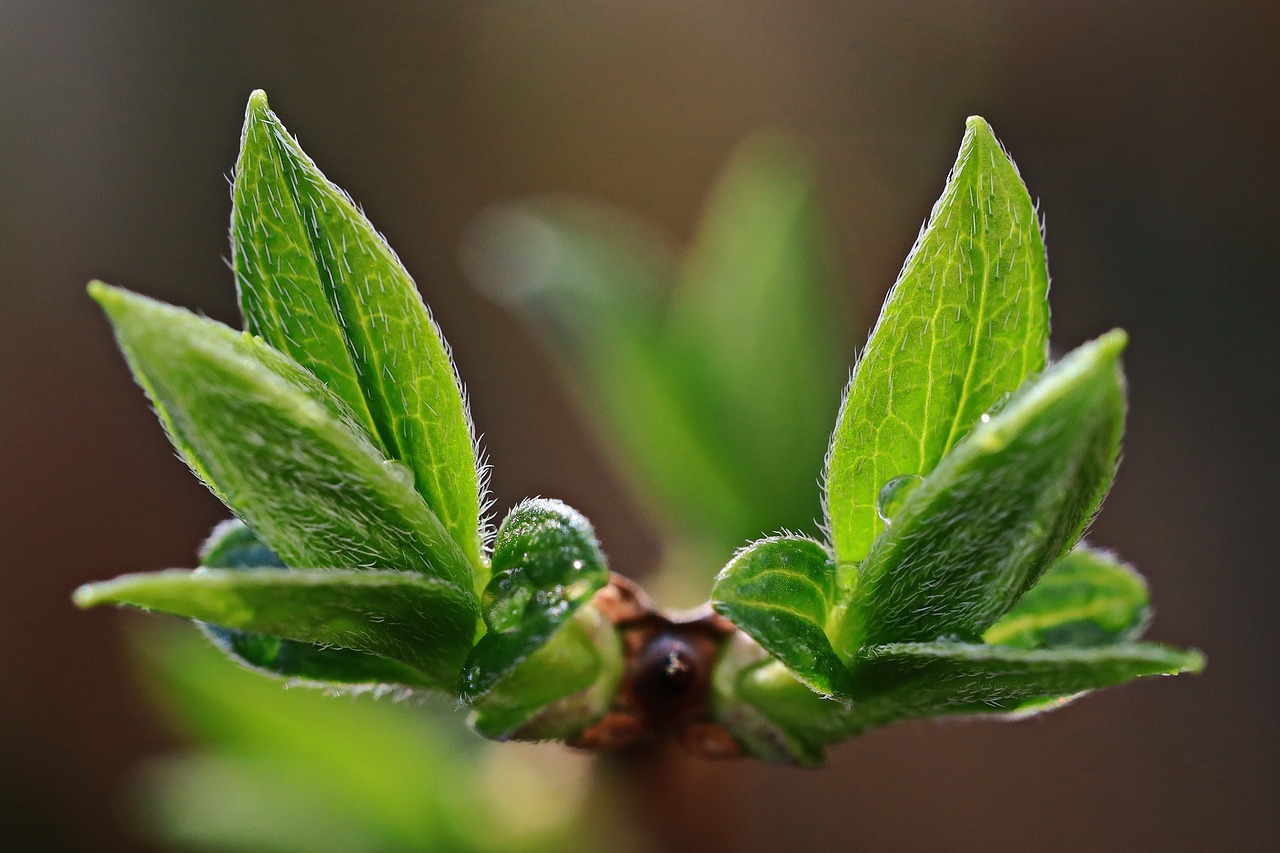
1193	661
257	103
87	595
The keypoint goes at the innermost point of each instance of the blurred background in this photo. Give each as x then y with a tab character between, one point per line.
1148	133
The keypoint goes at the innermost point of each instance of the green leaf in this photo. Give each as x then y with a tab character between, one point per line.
546	564
275	448
910	680
232	545
780	591
424	623
317	282
1088	598
591	279
753	321
997	511
966	323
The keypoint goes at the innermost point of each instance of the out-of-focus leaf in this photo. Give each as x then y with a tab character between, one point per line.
997	511
966	323
907	680
250	803
1088	598
317	282
780	591
753	321
259	429
591	279
423	623
399	776
232	545
546	564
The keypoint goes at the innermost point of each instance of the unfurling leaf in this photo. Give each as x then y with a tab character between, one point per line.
781	592
546	564
423	623
966	323
997	511
318	283
263	434
1088	598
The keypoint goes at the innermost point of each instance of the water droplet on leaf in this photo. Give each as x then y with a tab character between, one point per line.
894	493
399	471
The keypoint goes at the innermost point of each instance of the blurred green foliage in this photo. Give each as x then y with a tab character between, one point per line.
301	770
712	376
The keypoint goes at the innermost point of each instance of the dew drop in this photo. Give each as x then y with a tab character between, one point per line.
894	493
985	417
400	472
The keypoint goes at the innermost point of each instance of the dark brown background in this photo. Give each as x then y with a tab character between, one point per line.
1149	133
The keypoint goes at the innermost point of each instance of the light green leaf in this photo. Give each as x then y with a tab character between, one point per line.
546	564
421	622
1088	598
780	591
753	320
997	511
591	279
317	282
910	680
966	323
232	545
269	442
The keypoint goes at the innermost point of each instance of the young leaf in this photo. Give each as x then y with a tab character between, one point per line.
260	431
752	321
232	545
546	564
997	511
424	623
908	680
780	591
317	282
965	324
592	280
930	678
1088	598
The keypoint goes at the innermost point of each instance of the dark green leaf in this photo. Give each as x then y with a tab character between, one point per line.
903	681
232	545
423	623
320	284
753	320
592	280
781	591
998	511
267	439
546	564
1088	598
966	324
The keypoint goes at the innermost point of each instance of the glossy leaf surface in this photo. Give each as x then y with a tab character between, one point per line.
260	430
1088	598
966	323
1006	504
232	545
781	591
317	282
546	564
422	623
